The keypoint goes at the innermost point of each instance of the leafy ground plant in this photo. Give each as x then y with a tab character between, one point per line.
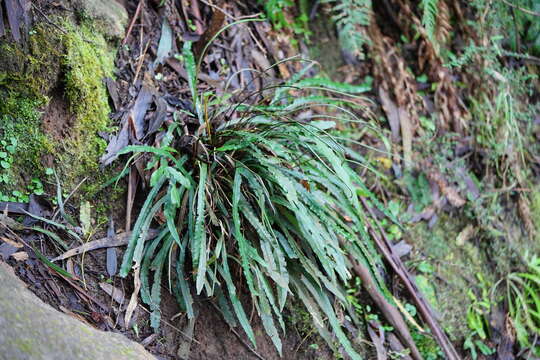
522	293
250	197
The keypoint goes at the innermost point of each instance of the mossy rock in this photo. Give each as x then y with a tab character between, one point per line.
55	105
108	15
31	329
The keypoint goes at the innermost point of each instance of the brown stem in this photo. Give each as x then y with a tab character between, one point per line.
421	303
390	312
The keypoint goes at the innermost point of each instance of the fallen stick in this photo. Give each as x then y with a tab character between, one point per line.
423	307
390	312
106	242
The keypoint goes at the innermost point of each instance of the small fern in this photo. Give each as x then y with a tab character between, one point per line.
351	17
429	18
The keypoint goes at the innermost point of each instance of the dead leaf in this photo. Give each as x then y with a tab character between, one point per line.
392	114
113	92
13	207
376	333
20	256
448	191
142	103
117	143
112	261
165	43
11	242
133	302
465	235
115	293
14	15
85	217
525	214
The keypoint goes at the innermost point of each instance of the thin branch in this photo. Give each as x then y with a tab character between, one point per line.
132	22
526	11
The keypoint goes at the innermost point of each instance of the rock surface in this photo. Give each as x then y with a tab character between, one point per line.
31	329
109	14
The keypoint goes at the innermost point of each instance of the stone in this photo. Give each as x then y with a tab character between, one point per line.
33	330
109	15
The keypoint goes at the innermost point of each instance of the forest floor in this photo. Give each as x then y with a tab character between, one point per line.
450	131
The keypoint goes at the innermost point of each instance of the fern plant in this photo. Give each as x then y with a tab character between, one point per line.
351	17
259	201
276	11
522	294
429	18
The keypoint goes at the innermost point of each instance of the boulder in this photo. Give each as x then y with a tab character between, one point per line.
110	15
33	330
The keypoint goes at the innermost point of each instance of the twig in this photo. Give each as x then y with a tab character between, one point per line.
240	338
526	11
139	6
49	20
173	327
390	312
423	307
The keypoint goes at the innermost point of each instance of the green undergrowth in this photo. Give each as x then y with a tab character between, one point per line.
449	266
66	67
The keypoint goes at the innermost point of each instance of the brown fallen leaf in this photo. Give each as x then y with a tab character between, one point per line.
525	214
74	315
376	333
11	242
133	301
448	191
115	293
20	256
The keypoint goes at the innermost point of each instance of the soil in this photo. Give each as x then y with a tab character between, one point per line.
57	119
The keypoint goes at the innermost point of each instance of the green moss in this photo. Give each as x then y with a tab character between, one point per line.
86	62
535	212
427	346
32	72
68	65
22	145
455	267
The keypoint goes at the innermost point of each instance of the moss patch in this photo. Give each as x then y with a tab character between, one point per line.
535	212
86	63
22	144
56	103
454	266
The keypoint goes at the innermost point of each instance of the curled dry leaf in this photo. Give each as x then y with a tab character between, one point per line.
525	214
448	191
133	301
115	293
20	256
465	235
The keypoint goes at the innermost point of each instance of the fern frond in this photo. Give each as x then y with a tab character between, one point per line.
430	12
351	18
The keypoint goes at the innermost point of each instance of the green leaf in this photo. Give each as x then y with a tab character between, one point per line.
179	177
85	216
199	239
324	83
